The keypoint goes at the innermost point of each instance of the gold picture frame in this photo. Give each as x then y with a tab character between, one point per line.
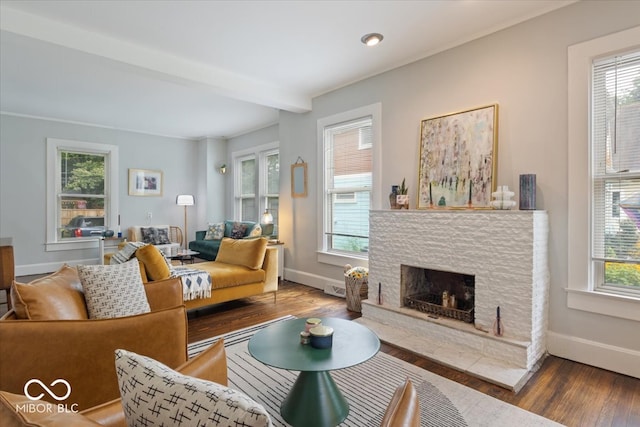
458	159
145	182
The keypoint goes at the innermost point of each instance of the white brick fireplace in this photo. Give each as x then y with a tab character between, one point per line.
506	253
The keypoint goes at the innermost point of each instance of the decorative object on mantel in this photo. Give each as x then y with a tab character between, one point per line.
527	192
393	204
299	178
458	158
503	198
498	328
402	199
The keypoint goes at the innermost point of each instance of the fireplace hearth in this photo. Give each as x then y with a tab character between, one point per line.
490	258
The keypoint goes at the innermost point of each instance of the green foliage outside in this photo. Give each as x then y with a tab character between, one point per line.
623	245
83	174
622	274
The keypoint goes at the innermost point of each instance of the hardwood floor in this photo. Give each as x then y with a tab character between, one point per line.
564	391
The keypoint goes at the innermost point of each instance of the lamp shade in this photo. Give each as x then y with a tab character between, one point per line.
185	200
267	218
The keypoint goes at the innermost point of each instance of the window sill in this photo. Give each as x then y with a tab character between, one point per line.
620	306
342	259
71	245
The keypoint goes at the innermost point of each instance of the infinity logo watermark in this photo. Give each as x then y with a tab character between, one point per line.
46	407
47	389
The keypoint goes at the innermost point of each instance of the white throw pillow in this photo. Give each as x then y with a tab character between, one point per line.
113	290
154	394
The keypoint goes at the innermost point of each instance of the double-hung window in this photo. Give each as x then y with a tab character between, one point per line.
257	183
347	146
604	175
615	147
82	199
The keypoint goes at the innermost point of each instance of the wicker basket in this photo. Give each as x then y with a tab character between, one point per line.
432	304
357	289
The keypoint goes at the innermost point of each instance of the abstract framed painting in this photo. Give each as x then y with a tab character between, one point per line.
458	155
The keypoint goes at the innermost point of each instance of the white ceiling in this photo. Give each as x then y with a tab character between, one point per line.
217	68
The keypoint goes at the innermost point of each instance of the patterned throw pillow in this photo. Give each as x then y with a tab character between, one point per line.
215	232
238	230
126	253
155	236
154	394
256	231
113	290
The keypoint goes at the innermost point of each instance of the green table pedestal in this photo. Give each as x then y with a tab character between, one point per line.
314	401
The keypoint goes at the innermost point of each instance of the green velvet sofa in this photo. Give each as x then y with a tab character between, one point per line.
208	249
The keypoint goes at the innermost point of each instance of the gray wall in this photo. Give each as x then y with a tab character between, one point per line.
524	70
22	184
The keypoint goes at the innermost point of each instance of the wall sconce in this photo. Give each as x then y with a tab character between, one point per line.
222	169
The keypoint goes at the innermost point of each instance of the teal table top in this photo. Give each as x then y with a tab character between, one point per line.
279	346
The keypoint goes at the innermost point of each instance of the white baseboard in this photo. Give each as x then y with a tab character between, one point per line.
612	358
50	267
313	280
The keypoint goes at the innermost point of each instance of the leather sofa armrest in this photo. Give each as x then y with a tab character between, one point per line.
82	351
210	365
163	294
404	408
46	415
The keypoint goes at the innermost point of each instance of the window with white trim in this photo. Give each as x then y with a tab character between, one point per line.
604	175
82	192
257	183
348	167
615	148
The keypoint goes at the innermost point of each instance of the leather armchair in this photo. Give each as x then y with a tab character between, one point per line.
82	351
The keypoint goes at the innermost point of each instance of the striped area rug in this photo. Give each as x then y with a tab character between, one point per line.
368	388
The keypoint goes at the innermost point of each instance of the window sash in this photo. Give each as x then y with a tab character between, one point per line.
348	171
616	172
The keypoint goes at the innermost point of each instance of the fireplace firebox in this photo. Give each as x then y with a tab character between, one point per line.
438	293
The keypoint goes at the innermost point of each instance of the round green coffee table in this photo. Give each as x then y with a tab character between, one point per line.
314	399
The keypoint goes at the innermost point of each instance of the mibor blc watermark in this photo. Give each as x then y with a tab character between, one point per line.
31	389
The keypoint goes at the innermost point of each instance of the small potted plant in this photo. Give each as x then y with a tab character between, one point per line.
402	199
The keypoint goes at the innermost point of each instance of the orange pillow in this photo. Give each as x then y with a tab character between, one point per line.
57	296
155	264
249	253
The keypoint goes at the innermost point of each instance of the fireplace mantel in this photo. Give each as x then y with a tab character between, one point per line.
507	253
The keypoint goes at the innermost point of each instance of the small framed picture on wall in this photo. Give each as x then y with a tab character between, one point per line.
145	182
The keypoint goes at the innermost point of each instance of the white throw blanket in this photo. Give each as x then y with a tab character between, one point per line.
195	283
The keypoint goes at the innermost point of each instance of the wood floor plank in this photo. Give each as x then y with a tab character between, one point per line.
564	391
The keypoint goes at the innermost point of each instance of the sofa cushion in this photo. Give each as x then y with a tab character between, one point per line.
215	231
113	290
404	408
169	394
249	253
127	252
155	236
238	230
57	296
14	412
155	264
225	275
255	231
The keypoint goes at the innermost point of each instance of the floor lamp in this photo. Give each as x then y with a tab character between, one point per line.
185	200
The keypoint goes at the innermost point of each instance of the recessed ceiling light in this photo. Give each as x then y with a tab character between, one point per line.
371	39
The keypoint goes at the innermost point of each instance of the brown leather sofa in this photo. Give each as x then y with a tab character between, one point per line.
210	365
82	351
